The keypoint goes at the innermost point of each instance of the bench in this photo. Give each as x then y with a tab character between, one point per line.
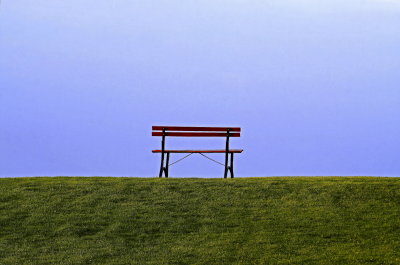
181	131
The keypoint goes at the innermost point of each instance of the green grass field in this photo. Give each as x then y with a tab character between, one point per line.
296	220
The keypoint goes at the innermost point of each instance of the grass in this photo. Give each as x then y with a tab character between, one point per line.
296	220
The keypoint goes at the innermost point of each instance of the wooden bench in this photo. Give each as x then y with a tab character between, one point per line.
180	131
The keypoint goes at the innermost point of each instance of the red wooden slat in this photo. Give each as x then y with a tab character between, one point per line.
185	128
196	134
199	151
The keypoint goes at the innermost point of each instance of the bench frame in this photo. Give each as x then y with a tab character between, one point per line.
196	132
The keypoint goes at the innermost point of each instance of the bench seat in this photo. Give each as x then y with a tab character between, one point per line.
200	151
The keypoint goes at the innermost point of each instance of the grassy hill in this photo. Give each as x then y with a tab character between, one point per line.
297	220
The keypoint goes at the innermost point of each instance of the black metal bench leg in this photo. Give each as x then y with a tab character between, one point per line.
231	166
166	166
162	166
226	166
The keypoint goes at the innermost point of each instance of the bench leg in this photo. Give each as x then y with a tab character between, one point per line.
228	168
164	169
226	165
166	166
162	166
231	166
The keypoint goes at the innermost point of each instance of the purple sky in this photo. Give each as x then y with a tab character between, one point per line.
314	84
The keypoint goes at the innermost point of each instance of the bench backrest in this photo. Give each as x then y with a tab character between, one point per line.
195	131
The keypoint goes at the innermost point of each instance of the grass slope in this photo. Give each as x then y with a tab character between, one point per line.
310	220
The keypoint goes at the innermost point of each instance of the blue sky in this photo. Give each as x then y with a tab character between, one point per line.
313	84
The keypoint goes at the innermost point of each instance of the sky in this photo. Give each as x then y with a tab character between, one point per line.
314	85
